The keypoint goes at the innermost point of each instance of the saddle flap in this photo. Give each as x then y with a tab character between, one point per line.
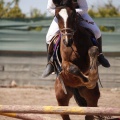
52	43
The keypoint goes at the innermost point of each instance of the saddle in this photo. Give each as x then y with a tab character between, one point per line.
53	42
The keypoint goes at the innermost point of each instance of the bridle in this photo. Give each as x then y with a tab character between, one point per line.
69	32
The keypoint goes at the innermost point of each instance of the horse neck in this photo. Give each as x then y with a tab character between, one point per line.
82	38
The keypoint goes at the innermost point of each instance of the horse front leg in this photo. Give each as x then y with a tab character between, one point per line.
93	74
62	98
92	101
72	76
91	96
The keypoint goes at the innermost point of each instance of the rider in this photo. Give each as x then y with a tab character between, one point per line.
82	9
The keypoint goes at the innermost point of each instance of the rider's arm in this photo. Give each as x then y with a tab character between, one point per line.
51	7
83	7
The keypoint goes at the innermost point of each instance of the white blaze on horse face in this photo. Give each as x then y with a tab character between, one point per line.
63	13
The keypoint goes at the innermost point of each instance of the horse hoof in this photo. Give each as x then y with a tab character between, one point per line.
93	52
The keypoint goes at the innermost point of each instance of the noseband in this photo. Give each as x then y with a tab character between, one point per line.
70	33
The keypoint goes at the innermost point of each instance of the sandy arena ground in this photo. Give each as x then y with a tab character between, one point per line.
46	96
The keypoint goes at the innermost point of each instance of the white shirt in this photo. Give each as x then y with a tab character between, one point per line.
83	7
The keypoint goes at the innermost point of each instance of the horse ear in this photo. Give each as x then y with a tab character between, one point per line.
57	2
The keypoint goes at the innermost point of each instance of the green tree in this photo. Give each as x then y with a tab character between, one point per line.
14	12
6	11
35	13
3	9
109	10
16	2
1	5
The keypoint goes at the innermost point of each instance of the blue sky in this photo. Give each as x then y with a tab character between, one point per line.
26	5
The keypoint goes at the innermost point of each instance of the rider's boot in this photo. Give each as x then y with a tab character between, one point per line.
102	60
50	66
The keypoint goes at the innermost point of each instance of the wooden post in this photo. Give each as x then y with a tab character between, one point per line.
60	110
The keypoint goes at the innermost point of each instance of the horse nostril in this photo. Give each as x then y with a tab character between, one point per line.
68	42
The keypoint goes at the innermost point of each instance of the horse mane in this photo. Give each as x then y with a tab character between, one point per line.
67	3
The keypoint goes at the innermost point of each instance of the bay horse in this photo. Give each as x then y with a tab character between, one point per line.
79	68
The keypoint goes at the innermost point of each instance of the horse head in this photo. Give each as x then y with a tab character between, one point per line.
66	16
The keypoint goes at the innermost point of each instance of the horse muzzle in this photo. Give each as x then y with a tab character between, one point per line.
68	42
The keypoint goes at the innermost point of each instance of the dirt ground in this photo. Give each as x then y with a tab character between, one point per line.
45	96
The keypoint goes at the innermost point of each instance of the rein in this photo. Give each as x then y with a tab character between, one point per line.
74	52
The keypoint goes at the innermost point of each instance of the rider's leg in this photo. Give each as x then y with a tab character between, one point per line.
102	60
49	67
53	29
